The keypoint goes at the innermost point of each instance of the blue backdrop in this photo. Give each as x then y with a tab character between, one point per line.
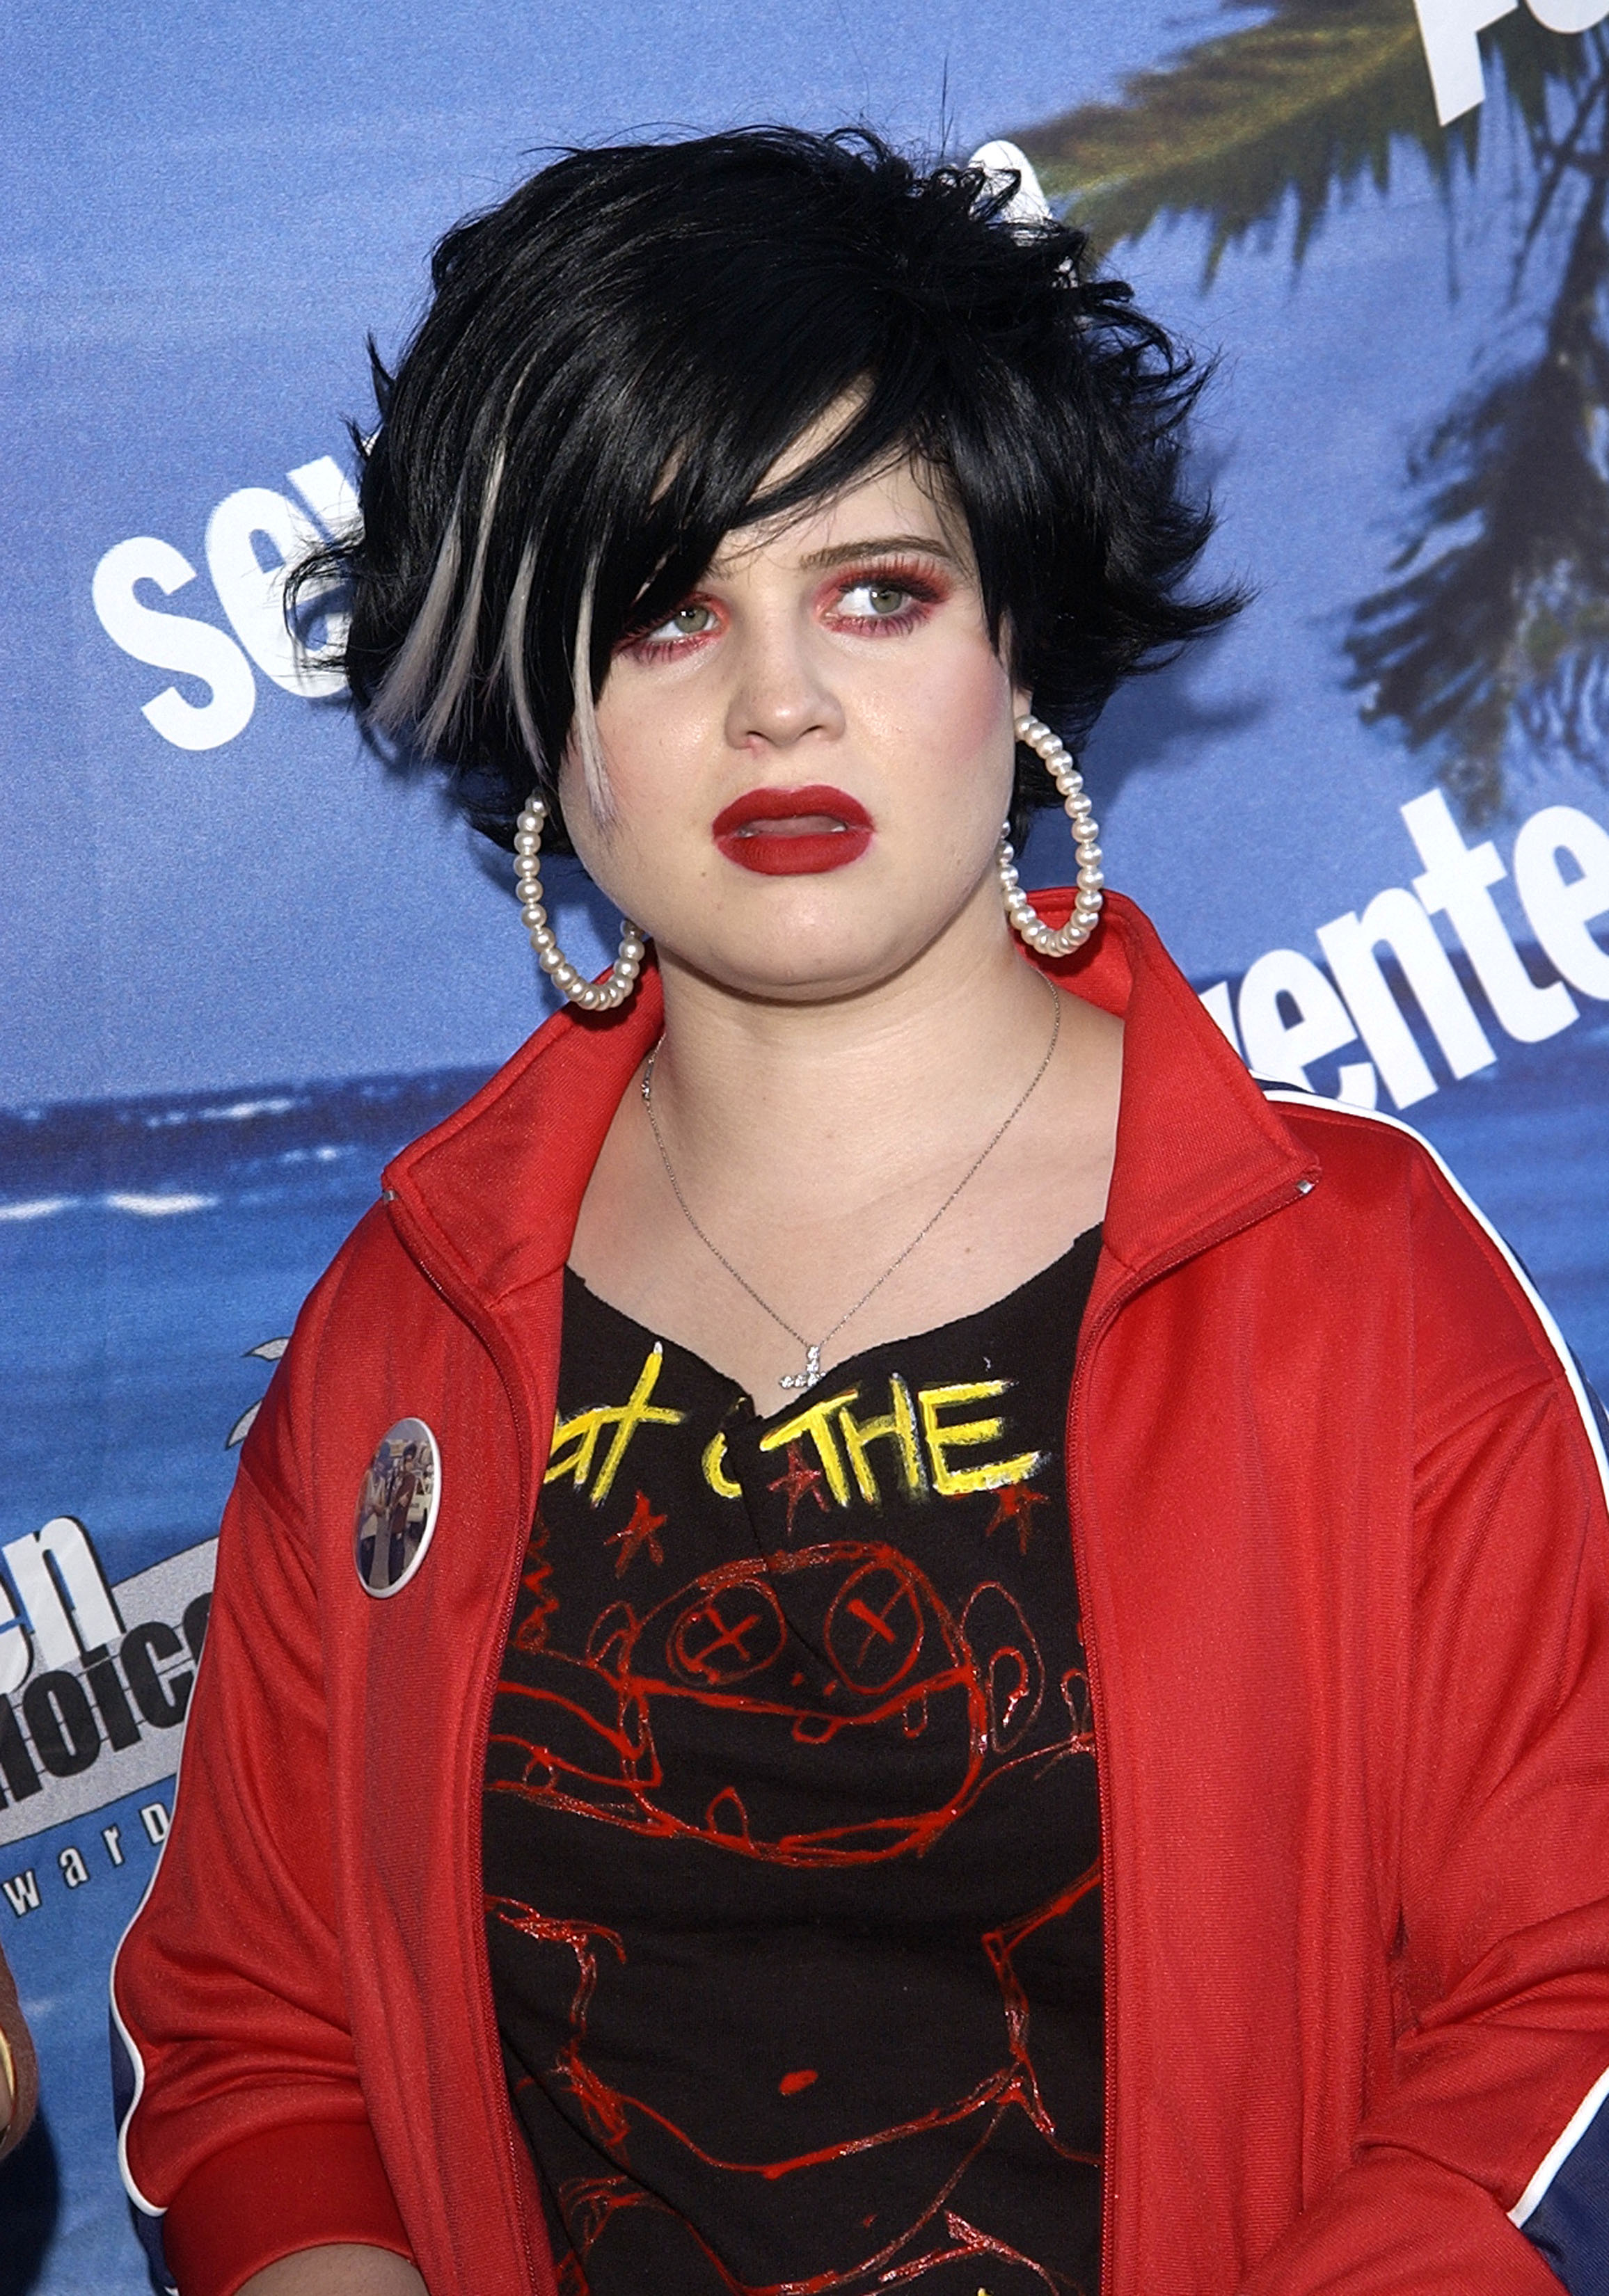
242	962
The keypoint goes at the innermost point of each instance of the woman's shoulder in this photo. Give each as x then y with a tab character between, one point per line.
1418	1231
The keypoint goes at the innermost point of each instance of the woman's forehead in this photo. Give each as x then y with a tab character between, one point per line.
901	506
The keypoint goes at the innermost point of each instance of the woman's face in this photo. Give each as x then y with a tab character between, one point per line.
810	760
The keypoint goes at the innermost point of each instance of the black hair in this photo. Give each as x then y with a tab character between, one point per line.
615	357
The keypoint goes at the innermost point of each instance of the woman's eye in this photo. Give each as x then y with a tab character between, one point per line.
874	602
689	621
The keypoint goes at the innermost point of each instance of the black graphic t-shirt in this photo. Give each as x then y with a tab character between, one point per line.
791	1846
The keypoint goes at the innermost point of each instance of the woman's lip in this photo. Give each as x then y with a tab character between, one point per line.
795	851
816	798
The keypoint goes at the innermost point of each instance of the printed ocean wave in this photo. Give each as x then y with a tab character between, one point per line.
118	1200
237	1112
296	1169
157	1207
215	1143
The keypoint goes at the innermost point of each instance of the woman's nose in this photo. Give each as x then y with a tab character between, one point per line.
782	691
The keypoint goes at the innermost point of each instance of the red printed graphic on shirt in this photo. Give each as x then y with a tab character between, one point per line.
868	1647
792	1856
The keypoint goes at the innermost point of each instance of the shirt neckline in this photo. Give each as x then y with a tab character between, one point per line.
1086	1243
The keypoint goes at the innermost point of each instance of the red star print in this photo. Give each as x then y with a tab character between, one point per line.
639	1532
798	1479
1016	1502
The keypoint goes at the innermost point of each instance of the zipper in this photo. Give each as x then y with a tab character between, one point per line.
1247	1217
467	1309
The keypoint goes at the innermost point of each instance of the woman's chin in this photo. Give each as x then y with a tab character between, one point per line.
805	966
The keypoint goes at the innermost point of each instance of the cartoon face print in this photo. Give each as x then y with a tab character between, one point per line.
845	1649
866	1652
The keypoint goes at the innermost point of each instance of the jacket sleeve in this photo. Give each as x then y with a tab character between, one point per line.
1484	2167
248	2126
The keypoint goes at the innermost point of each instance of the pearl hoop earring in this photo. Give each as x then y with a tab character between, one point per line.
592	996
1050	940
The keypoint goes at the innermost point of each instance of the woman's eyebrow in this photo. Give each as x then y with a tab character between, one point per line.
843	553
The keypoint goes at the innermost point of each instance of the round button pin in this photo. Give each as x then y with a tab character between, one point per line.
397	1508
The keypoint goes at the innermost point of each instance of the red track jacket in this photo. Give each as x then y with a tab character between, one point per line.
1340	1532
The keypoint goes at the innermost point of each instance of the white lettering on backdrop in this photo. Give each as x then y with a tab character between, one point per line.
1450	29
1290	1015
251	592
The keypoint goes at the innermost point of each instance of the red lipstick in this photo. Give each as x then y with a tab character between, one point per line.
793	832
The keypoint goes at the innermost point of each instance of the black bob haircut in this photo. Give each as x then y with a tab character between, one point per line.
615	357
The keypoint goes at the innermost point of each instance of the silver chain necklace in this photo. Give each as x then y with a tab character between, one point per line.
814	1349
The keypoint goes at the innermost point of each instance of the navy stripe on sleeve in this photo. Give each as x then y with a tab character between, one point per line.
1569	2225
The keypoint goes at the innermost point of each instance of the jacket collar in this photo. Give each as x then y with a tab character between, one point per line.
491	1197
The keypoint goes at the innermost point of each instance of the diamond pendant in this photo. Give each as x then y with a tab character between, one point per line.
808	1376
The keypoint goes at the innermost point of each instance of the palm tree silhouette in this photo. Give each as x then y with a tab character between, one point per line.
1491	626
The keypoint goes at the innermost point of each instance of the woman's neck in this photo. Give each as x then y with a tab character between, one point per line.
828	1103
829	1154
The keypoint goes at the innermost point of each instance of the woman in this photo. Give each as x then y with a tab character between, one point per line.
995	1671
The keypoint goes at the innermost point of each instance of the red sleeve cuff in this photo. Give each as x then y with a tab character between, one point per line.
306	2185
